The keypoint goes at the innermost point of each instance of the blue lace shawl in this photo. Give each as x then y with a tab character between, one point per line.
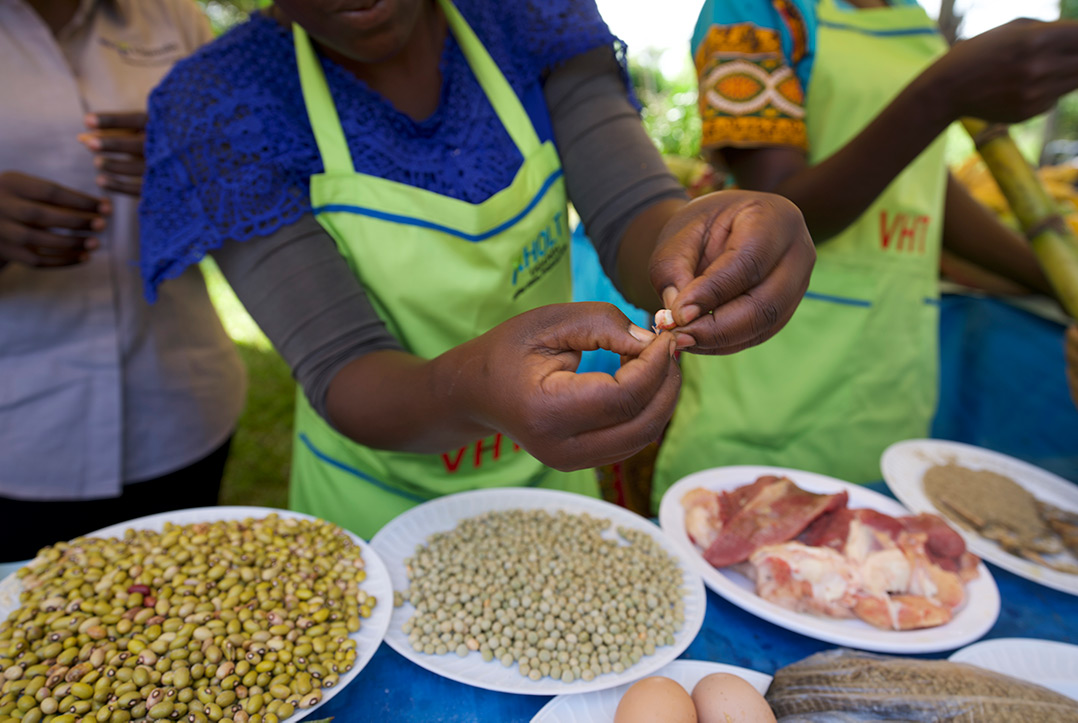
230	150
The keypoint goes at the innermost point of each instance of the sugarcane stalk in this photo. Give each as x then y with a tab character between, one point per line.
1052	240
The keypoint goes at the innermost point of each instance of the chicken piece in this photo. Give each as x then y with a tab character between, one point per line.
944	546
703	520
707	512
777	512
806	579
901	612
885	571
849	530
879	590
928	579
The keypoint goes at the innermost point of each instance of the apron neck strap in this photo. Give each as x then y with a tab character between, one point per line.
501	95
322	112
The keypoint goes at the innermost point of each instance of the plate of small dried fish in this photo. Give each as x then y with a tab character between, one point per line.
1014	514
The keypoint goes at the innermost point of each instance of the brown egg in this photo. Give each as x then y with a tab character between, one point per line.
655	700
725	698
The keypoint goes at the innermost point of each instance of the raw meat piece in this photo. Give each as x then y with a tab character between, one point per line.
778	511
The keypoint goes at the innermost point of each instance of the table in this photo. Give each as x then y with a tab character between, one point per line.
392	688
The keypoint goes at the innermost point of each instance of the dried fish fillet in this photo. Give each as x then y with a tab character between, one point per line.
1064	523
849	685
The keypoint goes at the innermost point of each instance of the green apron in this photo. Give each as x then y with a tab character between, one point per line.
856	367
439	271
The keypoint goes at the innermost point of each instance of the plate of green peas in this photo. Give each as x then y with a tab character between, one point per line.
539	592
250	614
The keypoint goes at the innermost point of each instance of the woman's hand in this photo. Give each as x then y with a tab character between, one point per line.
1009	73
732	267
528	387
44	224
1071	352
118	141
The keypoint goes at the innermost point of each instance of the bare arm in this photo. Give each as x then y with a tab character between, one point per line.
834	193
1007	74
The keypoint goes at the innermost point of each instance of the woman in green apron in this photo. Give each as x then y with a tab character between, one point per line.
403	240
839	107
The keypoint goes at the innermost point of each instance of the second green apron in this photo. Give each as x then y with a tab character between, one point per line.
439	271
856	367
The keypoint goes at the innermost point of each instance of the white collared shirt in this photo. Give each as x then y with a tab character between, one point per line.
98	387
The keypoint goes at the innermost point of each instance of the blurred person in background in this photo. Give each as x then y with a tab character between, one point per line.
839	106
110	408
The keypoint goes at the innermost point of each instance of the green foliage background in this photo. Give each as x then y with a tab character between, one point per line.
669	103
223	14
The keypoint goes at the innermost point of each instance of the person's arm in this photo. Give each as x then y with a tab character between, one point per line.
1008	74
972	232
518	379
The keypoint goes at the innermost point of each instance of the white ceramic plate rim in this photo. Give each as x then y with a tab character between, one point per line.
904	465
1045	662
600	706
400	537
369	636
972	621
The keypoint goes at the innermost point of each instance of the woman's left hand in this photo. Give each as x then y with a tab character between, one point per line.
732	266
117	141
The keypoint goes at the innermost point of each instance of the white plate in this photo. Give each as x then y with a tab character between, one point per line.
398	540
971	621
600	706
904	465
1044	662
367	638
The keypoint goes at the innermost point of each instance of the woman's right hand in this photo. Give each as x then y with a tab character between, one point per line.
523	382
44	224
1009	73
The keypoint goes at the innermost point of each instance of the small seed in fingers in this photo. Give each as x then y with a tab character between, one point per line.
664	319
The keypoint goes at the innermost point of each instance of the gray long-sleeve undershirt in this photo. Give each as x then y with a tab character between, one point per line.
301	292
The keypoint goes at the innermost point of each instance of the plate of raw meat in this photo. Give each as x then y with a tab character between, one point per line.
831	560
